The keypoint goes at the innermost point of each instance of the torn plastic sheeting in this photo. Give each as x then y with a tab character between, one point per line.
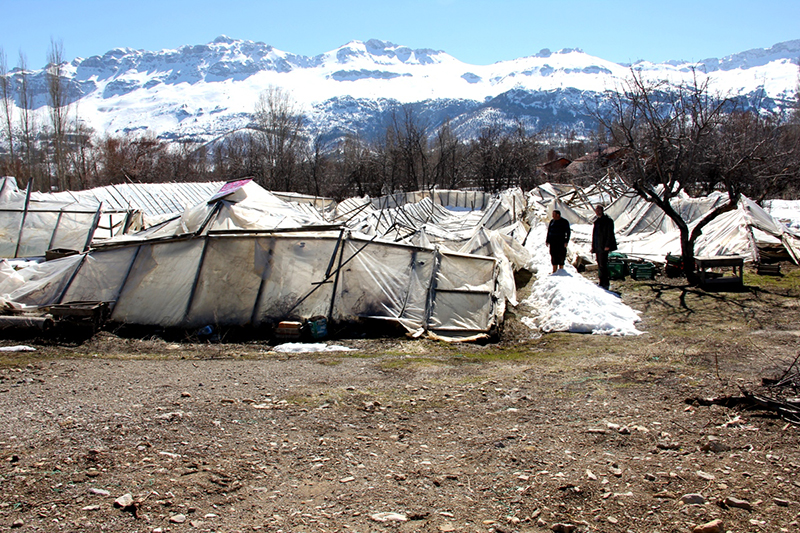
215	280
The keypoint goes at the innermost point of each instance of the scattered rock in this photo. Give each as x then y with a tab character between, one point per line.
386	517
705	475
563	528
124	501
693	499
781	503
177	519
90	508
98	492
736	502
18	523
714	445
715	526
650	477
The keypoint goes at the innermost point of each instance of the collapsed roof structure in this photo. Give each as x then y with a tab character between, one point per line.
244	257
644	231
439	263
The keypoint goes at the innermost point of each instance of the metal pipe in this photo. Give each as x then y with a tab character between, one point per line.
40	323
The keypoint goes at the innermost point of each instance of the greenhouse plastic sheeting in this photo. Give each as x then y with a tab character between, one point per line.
243	279
28	227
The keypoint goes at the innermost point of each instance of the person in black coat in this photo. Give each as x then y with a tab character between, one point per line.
558	233
603	242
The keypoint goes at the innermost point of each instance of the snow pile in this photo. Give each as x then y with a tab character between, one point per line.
567	301
17	348
302	347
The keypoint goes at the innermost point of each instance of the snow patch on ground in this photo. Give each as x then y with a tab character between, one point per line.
302	347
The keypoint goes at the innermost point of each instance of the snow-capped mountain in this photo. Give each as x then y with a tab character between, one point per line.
203	91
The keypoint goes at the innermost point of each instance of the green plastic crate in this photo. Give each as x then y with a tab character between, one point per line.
616	269
641	271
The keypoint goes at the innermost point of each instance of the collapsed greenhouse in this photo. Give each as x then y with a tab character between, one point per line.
244	257
438	263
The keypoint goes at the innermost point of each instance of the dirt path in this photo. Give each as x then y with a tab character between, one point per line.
523	435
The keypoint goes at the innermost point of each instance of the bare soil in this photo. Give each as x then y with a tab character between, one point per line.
561	432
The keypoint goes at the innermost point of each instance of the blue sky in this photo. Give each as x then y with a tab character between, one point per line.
474	31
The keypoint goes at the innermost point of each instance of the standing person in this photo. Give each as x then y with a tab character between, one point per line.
557	238
603	242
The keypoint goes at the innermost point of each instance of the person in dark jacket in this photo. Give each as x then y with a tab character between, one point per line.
603	242
557	238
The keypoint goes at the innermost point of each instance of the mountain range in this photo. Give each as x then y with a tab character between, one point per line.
200	92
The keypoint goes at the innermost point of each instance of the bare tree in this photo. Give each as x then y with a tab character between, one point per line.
280	126
411	136
27	121
59	110
685	138
8	104
315	165
449	156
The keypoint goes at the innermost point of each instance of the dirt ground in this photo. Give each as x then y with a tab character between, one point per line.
562	432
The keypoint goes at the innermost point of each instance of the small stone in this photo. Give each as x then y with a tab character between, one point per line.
177	519
18	523
650	477
90	508
736	502
596	431
624	430
98	492
591	475
612	520
705	475
781	503
715	526
447	527
386	517
347	479
714	445
563	528
124	501
186	394
693	499
92	472
615	471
